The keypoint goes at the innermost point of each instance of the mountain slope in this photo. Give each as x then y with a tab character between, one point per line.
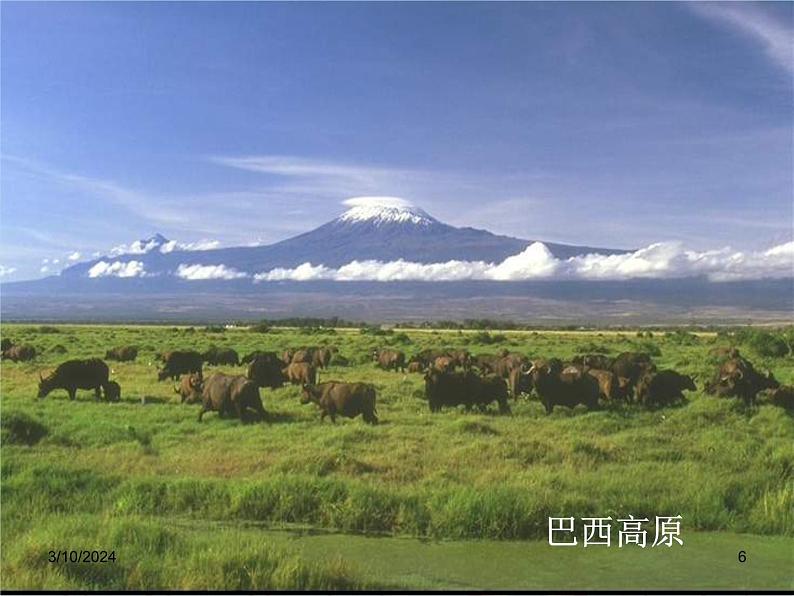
384	233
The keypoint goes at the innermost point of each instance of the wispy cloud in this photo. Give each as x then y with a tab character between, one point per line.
775	36
4	271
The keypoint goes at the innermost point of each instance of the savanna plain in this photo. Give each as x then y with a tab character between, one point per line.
454	499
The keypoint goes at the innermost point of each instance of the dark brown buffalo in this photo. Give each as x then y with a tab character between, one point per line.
632	366
231	394
465	388
783	397
19	353
484	362
301	373
215	356
461	358
389	359
190	388
76	374
737	377
663	388
415	367
519	381
112	391
608	384
251	356
179	363
343	399
427	357
122	354
265	371
563	388
597	361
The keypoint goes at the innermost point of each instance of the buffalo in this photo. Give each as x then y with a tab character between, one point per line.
178	363
112	391
266	371
519	381
301	373
632	366
609	385
737	377
465	388
343	399
5	343
215	356
783	397
415	367
19	353
122	354
444	363
569	387
663	388
231	394
72	375
389	359
190	388
597	361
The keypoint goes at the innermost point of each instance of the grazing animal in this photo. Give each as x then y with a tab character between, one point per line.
286	355
389	359
343	399
722	353
76	374
519	381
178	363
251	356
303	355
443	364
608	384
783	397
215	356
322	357
231	394
598	361
19	353
266	371
502	366
301	373
122	354
663	388
737	377
632	366
415	367
190	388
465	388
563	388
112	391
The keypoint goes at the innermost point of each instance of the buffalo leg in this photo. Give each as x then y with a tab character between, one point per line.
97	393
72	393
201	414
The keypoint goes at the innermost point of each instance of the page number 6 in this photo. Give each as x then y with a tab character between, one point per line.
742	556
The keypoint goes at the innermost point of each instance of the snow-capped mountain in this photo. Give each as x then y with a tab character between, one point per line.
382	230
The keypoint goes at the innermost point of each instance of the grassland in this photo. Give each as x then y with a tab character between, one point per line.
184	503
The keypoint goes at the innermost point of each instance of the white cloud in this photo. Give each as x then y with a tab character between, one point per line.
6	270
44	269
75	256
662	260
139	247
202	272
117	269
755	22
173	245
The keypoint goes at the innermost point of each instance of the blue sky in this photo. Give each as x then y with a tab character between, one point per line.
608	124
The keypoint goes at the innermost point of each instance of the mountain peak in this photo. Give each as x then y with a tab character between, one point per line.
384	210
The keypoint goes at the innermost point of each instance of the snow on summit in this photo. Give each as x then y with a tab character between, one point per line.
379	210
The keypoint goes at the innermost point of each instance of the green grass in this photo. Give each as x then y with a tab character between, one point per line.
722	466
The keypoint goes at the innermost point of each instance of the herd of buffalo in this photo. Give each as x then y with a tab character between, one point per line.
452	378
